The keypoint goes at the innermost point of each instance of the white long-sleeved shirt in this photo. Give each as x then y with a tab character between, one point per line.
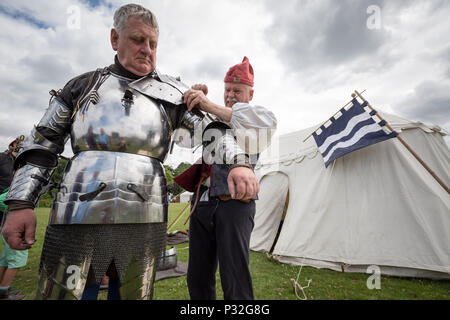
255	123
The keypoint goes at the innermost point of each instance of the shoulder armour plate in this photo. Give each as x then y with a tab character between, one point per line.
167	88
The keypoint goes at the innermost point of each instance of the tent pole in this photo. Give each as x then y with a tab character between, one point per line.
407	147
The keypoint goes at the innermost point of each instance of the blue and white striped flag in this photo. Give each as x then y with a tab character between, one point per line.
352	130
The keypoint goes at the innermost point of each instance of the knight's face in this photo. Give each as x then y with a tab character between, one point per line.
136	46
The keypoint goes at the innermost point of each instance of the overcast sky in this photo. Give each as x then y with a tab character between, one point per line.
308	56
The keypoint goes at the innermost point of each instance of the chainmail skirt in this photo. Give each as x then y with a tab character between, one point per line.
99	245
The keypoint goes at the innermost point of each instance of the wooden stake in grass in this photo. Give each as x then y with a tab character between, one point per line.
178	217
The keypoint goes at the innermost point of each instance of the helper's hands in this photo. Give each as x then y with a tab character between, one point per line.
196	97
19	229
202	87
242	183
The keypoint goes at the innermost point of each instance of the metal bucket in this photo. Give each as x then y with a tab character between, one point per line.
168	260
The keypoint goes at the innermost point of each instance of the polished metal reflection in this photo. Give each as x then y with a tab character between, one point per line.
123	120
27	183
68	282
103	180
168	259
167	88
57	117
190	130
137	284
63	283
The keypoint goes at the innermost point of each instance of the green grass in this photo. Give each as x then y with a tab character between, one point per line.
271	280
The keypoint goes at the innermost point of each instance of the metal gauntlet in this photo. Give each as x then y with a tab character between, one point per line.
28	183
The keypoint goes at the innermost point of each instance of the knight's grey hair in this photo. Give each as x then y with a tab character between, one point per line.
123	13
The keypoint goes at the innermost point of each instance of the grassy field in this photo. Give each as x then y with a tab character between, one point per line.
271	280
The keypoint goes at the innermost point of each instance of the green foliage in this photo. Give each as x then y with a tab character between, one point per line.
183	166
169	174
172	188
47	198
57	175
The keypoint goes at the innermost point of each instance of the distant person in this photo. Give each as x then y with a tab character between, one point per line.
103	140
90	139
10	260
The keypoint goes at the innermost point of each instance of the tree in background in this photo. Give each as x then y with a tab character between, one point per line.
172	188
169	174
183	166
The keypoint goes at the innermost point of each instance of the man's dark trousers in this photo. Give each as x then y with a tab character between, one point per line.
219	232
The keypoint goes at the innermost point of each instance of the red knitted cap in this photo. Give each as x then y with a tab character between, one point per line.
241	73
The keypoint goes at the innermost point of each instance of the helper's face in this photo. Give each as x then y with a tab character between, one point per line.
237	92
136	46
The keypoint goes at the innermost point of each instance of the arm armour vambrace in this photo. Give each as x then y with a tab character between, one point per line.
29	178
28	182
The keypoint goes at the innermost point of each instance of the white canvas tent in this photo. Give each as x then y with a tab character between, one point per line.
375	206
185	197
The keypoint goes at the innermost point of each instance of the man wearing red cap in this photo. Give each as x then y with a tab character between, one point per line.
222	221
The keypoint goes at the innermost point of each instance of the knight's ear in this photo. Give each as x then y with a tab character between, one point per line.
114	39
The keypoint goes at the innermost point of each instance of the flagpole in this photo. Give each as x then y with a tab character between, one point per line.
330	118
406	145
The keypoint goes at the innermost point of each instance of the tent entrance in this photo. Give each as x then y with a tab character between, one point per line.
271	209
280	226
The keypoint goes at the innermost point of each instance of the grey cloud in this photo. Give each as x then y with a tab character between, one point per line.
51	69
444	59
324	37
430	101
325	32
346	34
211	67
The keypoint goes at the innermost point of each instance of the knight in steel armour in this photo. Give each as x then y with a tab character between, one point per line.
110	213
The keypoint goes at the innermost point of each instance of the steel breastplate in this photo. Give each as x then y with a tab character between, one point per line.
101	187
117	118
